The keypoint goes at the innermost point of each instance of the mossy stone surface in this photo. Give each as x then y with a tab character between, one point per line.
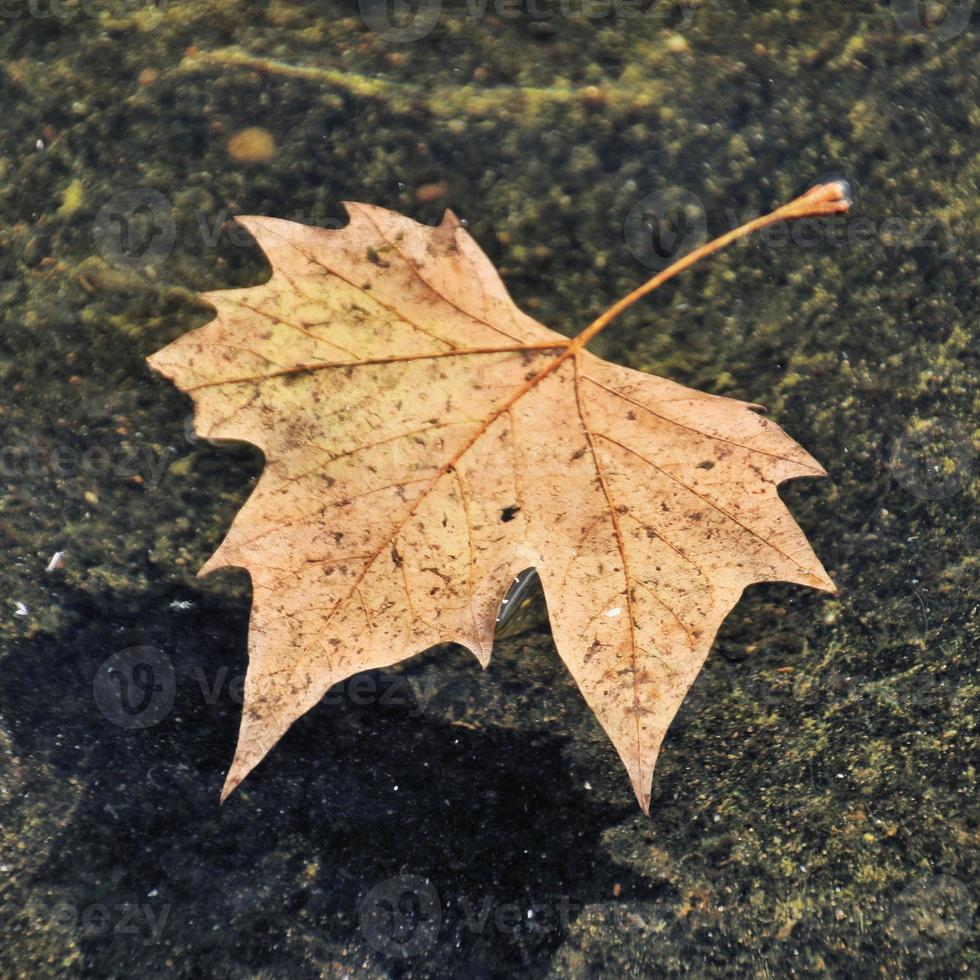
815	805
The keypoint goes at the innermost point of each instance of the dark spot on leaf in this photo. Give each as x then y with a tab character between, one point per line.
509	513
373	256
706	465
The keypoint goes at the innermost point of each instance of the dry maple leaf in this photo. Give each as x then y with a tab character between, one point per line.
425	441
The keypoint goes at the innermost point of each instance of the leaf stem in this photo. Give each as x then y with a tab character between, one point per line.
824	199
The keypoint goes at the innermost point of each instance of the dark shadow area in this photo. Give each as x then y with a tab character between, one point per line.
354	795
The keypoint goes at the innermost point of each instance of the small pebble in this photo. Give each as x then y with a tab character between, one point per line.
252	145
434	191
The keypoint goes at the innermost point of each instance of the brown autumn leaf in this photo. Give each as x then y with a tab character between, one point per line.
425	441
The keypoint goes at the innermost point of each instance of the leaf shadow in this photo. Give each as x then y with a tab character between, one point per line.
354	795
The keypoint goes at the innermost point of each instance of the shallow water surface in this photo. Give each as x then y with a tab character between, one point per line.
814	807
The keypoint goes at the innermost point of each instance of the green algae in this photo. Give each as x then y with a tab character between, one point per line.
819	780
